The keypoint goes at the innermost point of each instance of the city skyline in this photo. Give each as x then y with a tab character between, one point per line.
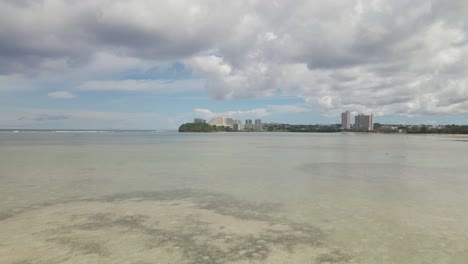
156	64
361	122
237	125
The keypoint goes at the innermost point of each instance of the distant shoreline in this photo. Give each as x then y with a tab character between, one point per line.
59	131
335	128
84	130
338	132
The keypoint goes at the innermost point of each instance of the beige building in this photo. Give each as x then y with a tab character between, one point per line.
222	121
346	120
364	122
238	126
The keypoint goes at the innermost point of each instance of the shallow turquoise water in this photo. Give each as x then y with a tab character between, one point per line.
376	198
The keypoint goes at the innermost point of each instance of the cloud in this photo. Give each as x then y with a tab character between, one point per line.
253	113
48	117
85	119
405	58
399	58
142	85
15	82
225	82
61	95
161	30
289	108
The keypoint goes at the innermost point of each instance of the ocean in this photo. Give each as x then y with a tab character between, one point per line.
168	197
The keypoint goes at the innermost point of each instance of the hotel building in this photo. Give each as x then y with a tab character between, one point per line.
346	120
364	122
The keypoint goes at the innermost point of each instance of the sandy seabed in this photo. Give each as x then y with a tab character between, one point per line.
182	226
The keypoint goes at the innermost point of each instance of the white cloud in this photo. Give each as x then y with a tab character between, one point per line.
252	113
289	108
85	119
62	95
15	82
351	57
143	85
396	57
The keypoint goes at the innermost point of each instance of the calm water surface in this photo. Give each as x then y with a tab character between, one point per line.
233	198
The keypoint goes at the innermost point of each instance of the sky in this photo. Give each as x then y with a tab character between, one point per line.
149	64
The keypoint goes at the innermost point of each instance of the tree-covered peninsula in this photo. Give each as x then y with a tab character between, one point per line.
202	127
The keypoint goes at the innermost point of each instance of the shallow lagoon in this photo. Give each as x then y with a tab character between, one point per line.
232	198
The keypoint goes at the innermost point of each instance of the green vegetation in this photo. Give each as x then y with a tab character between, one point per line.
378	128
449	129
203	127
421	129
196	127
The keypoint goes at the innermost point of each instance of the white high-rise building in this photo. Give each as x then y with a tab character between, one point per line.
364	122
346	120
